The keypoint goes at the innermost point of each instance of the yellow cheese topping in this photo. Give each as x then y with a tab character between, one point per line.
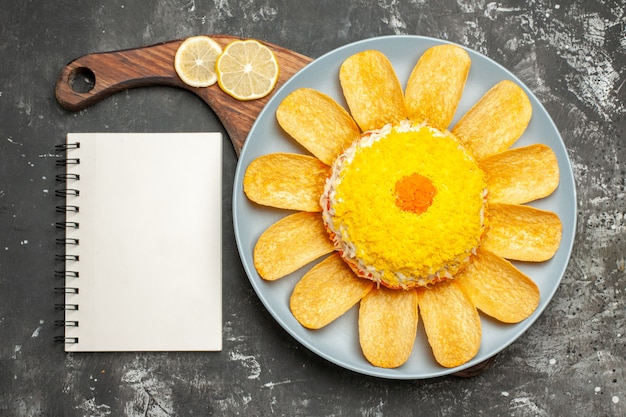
398	243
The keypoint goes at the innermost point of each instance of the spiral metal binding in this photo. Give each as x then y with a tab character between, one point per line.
61	306
67	191
66	340
67	241
66	323
65	274
66	290
62	147
66	257
67	161
67	208
67	225
67	176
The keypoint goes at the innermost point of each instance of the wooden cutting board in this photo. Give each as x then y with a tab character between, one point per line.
112	72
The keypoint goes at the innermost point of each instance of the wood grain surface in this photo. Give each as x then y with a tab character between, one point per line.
112	72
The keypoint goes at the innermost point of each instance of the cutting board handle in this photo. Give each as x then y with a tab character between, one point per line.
94	77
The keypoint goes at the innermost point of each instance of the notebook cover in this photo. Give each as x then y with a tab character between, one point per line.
148	258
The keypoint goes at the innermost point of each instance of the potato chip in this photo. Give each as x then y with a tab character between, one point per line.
326	292
318	123
522	233
436	85
289	244
387	326
372	90
287	181
520	175
497	288
451	322
496	121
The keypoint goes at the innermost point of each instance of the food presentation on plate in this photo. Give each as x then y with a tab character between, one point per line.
404	220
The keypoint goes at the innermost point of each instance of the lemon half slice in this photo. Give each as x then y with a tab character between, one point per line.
195	61
247	70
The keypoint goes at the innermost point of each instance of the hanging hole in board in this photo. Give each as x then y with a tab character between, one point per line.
82	80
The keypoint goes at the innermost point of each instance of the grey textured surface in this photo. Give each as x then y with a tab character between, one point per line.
571	362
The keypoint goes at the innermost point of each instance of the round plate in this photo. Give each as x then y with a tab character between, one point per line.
338	342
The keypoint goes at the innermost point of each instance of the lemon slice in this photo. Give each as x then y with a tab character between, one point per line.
195	61
247	70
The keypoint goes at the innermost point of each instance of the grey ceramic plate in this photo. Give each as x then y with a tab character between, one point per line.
338	342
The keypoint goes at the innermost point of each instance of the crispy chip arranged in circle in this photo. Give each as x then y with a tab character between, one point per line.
496	121
372	90
436	84
497	288
522	233
326	292
451	322
289	244
387	326
287	181
520	175
318	123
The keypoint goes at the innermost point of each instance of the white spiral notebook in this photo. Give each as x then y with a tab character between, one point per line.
142	264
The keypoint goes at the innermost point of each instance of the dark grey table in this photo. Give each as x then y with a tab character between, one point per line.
570	362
